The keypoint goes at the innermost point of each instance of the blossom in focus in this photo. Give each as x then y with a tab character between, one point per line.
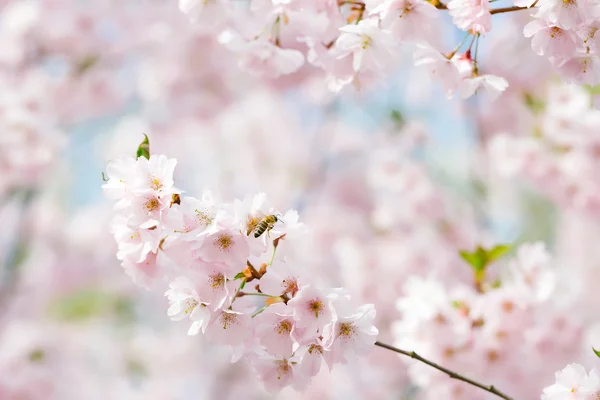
574	382
471	15
407	19
371	47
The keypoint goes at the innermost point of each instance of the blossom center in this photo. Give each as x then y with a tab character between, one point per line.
224	241
284	327
190	305
347	330
315	348
156	183
217	281
228	319
152	204
366	41
290	285
508	306
555	31
203	217
493	355
408	7
283	368
316	306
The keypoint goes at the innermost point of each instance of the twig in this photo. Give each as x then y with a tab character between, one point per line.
451	374
508	9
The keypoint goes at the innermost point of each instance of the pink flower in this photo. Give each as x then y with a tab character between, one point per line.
371	47
261	57
567	14
438	65
145	272
408	19
230	328
491	84
185	303
312	356
551	40
147	210
276	373
583	68
573	383
227	247
192	217
311	309
352	332
120	173
274	329
134	243
213	285
281	279
154	175
471	15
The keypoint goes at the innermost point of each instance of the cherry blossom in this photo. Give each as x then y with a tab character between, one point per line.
471	15
370	46
549	39
407	19
573	382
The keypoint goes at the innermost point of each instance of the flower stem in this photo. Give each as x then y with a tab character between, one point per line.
241	294
242	284
451	374
457	48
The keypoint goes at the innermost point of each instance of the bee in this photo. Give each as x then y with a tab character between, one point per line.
266	224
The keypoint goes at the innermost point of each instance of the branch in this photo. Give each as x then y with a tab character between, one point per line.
508	9
442	6
451	374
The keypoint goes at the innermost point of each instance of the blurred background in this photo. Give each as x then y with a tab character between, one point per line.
393	180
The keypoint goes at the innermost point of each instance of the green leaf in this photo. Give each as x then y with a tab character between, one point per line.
497	252
239	275
597	352
397	118
144	148
476	259
243	284
481	258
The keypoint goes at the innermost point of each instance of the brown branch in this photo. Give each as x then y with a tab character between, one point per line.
507	9
451	374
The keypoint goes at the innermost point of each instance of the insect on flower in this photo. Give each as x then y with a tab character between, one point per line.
266	224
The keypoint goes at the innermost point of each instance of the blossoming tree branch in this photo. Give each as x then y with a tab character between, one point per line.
234	269
238	285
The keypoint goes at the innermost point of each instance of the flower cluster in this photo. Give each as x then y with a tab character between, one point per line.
499	331
560	156
228	276
565	32
358	41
